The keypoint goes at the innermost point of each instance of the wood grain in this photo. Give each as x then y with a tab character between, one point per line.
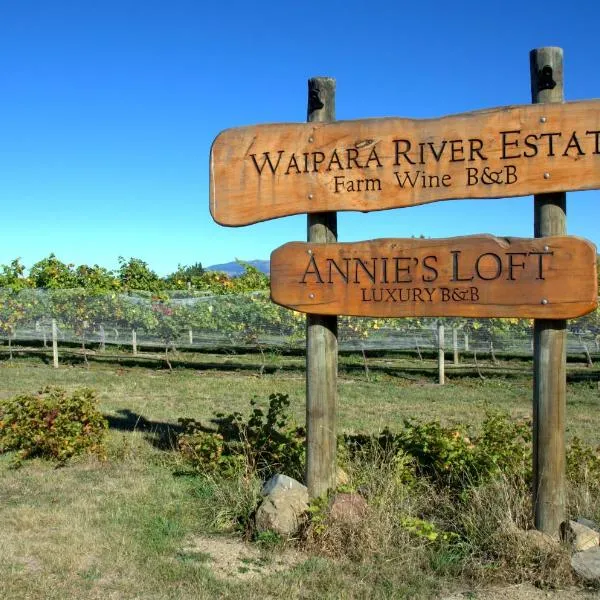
321	334
472	276
360	165
549	335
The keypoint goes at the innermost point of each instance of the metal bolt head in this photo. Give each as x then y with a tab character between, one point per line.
546	248
311	296
310	251
310	196
311	139
546	175
543	119
544	301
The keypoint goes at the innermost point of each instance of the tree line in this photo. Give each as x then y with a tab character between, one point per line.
132	274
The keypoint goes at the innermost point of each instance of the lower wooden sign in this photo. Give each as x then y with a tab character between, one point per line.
472	276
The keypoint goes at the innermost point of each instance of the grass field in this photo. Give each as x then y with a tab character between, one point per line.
137	526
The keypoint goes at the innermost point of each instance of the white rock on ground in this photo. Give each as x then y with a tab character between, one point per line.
281	482
579	536
587	564
282	511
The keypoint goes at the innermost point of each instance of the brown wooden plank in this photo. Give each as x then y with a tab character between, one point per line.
549	335
267	171
472	276
321	334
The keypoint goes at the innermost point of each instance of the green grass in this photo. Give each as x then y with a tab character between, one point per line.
119	528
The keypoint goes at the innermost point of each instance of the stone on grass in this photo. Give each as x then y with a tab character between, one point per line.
588	523
538	539
347	509
281	482
587	564
282	511
579	536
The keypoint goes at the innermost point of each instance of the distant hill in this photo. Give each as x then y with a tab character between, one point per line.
233	269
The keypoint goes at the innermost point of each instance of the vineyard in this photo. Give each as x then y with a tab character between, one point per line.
202	320
197	309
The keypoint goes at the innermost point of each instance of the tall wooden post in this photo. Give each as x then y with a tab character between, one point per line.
455	344
321	334
549	371
441	357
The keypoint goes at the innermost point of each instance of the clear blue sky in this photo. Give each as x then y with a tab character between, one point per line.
108	110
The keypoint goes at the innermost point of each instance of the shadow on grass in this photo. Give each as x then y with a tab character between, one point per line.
162	436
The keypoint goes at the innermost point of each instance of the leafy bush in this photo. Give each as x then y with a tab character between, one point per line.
265	444
52	424
453	456
456	458
583	464
207	451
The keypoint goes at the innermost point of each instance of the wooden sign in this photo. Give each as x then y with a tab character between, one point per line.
268	171
473	276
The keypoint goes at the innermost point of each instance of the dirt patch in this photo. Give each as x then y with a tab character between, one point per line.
523	591
232	558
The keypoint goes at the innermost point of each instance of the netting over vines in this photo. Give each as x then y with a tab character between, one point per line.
196	320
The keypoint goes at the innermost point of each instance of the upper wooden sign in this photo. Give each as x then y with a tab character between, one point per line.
473	276
268	171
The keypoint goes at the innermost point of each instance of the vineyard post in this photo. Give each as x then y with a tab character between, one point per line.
549	372
441	374
134	342
455	344
54	344
321	333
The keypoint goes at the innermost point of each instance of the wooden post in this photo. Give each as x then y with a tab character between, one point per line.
102	339
441	374
466	342
549	372
191	336
134	342
54	344
321	334
455	344
586	350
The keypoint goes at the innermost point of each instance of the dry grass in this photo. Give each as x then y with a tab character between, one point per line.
123	528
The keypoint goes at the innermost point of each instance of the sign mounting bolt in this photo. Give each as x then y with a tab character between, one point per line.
310	196
543	119
546	248
544	301
546	175
310	252
311	139
311	296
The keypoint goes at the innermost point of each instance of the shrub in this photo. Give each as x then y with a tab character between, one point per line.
264	444
206	451
452	456
52	424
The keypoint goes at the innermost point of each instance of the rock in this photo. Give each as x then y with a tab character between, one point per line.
281	482
587	564
537	539
588	523
282	511
579	536
347	509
